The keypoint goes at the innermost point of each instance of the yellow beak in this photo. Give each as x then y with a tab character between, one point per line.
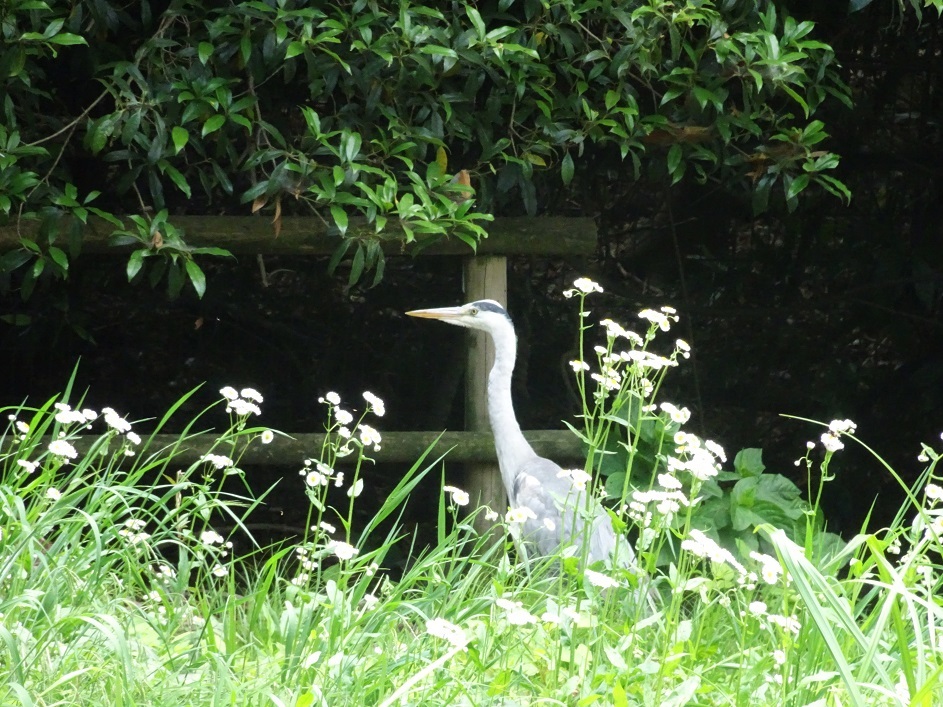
439	313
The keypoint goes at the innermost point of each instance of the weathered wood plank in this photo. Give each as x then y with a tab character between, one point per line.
397	447
546	235
485	278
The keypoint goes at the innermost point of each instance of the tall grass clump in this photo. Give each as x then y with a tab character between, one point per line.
130	577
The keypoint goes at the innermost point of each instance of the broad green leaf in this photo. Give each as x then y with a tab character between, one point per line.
356	266
340	218
58	256
197	278
205	51
213	124
135	263
749	462
68	39
675	165
567	168
180	137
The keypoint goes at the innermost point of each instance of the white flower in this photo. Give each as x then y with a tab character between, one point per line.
698	544
243	408
446	630
597	579
217	460
490	515
779	657
61	448
267	437
355	489
583	285
333	398
211	537
343	416
715	449
519	515
757	608
578	478
839	426
667	481
327	527
316	478
342	550
369	436
701	465
579	366
28	465
934	492
133	437
115	421
229	392
615	330
251	394
53	494
770	567
831	442
515	612
379	409
679	415
789	623
609	379
659	318
458	497
220	571
66	416
22	427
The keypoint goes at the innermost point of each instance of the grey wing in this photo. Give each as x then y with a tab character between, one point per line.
563	515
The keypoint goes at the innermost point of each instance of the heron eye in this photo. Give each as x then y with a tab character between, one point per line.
474	311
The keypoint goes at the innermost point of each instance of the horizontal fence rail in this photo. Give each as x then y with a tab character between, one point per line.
302	235
397	447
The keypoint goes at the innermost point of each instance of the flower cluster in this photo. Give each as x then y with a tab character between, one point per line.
514	612
699	458
447	631
242	403
317	473
65	415
578	478
340	421
661	318
217	547
836	428
133	532
456	495
582	286
631	368
699	545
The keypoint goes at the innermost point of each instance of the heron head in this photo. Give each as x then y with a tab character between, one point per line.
485	314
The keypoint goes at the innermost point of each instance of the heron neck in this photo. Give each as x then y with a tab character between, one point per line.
513	450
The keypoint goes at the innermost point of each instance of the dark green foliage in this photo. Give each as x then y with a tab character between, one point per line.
374	109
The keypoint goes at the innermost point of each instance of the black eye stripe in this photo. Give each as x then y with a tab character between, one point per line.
489	306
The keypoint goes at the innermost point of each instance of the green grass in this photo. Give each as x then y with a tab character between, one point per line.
116	590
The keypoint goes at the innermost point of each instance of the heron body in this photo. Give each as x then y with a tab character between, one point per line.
559	514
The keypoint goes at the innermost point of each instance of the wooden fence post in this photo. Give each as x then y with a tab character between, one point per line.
486	277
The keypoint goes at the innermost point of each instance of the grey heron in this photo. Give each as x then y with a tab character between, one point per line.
560	513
